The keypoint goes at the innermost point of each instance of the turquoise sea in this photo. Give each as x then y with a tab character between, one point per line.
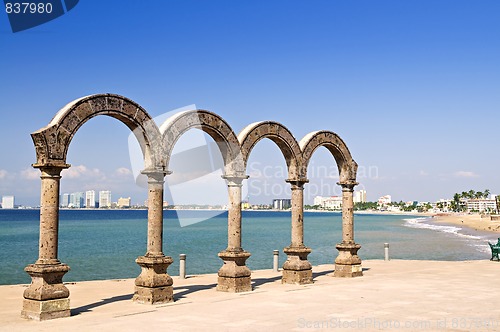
103	244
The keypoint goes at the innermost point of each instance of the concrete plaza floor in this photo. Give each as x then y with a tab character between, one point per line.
393	296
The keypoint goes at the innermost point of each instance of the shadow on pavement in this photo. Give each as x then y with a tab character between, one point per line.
89	307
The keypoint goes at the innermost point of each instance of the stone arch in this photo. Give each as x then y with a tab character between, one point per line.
347	263
51	145
277	133
346	165
212	124
52	142
234	275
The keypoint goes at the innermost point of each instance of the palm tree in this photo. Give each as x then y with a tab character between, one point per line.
472	193
486	193
479	195
456	202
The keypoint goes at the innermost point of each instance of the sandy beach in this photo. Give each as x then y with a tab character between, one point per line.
392	295
473	221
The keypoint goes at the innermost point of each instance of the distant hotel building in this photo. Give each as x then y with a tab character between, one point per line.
360	196
443	205
331	203
8	202
90	199
282	204
481	205
105	199
335	202
385	200
123	202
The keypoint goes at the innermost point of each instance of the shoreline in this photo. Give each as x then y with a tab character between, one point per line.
472	221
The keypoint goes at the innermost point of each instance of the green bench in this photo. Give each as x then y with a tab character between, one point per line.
495	250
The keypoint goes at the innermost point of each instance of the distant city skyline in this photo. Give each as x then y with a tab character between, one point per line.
411	87
88	199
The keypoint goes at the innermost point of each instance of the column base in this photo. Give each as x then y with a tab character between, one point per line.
153	285
46	282
46	297
234	275
347	263
234	285
45	310
297	269
297	277
348	271
153	295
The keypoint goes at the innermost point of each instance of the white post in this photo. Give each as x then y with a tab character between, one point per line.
276	254
182	266
386	251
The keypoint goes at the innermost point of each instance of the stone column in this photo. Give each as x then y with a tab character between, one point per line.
297	269
47	297
234	275
154	285
347	263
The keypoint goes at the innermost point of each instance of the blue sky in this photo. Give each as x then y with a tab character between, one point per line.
413	87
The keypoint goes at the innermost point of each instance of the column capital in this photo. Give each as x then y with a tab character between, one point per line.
348	185
60	165
234	180
156	175
51	170
297	183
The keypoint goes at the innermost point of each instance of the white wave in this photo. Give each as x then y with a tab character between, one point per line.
483	248
420	223
480	245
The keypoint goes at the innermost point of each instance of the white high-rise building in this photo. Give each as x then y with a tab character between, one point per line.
360	196
8	202
90	199
77	200
282	203
104	199
65	200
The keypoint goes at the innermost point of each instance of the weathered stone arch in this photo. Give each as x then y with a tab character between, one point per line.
212	124
52	142
347	263
234	275
296	270
346	165
277	133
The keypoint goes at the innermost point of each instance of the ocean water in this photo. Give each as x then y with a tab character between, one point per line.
103	244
